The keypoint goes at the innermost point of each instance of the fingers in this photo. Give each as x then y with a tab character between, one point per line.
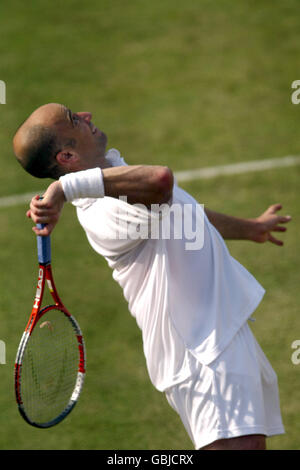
284	220
278	228
281	219
45	231
47	210
39	205
275	241
42	216
274	208
42	213
273	223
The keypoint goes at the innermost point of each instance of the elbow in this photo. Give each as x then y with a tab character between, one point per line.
164	180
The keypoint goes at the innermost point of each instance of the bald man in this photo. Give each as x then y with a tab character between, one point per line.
192	306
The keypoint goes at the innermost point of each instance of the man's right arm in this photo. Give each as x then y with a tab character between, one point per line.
140	184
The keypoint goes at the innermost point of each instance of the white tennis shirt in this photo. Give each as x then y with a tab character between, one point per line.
189	297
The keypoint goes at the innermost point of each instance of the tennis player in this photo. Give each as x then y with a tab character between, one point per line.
191	299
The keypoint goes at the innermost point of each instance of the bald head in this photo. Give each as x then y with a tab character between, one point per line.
38	141
54	141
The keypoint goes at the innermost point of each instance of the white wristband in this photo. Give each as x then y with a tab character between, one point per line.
83	184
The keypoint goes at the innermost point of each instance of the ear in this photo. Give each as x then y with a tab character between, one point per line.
67	158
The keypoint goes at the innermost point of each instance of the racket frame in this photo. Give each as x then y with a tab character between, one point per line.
45	276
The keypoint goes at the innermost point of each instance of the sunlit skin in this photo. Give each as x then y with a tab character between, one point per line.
89	140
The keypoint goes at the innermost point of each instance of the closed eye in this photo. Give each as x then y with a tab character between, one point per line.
75	119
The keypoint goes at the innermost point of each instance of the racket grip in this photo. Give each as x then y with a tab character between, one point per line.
43	247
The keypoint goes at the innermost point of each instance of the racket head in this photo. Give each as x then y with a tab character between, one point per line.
50	367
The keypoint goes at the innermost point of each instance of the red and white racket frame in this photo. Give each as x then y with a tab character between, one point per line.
45	275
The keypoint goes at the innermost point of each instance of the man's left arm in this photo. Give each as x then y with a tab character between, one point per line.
259	229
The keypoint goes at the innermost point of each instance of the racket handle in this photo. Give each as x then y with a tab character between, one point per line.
43	247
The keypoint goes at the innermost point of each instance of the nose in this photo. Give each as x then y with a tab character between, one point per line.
85	115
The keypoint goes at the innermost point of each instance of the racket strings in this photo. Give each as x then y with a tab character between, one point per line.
49	367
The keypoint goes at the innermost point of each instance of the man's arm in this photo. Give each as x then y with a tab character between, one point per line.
153	185
141	184
258	229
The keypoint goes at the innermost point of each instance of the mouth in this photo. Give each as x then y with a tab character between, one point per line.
95	130
99	134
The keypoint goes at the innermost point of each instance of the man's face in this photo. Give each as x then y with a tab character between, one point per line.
76	132
85	138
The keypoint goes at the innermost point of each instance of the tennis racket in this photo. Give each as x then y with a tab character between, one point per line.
50	362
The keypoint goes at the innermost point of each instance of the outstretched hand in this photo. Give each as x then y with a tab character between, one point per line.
267	223
47	210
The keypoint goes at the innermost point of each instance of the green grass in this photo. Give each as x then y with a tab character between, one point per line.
187	85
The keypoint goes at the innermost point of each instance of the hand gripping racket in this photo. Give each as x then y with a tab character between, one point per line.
50	362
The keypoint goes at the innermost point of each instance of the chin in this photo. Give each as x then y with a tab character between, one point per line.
103	143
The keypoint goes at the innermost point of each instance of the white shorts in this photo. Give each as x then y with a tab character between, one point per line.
235	395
